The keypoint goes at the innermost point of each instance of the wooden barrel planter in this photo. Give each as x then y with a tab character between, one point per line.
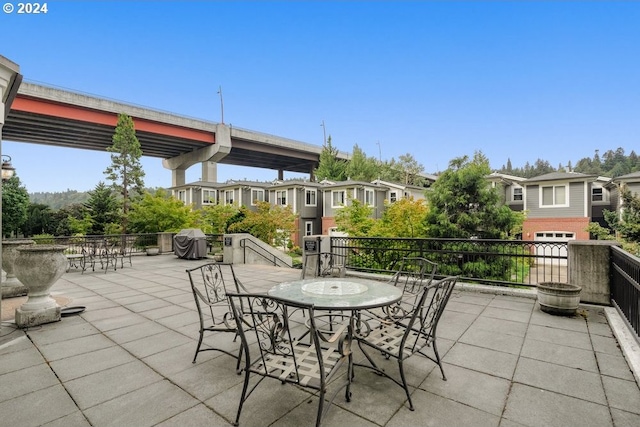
559	298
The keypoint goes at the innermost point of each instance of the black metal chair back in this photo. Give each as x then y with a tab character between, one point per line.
413	274
279	354
400	338
209	286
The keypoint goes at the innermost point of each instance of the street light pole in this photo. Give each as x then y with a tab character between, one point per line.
324	132
379	152
221	105
10	79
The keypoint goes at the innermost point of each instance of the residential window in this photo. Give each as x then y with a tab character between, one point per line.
554	195
308	228
257	195
338	198
517	194
228	197
281	197
597	194
182	196
208	197
368	197
393	196
310	197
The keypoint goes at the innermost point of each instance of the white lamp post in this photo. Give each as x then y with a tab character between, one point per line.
10	79
7	169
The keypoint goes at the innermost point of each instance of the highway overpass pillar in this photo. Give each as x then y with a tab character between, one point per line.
209	171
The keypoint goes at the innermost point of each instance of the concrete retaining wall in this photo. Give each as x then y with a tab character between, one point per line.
589	262
236	254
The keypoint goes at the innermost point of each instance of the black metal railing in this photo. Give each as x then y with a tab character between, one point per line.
137	242
496	262
625	286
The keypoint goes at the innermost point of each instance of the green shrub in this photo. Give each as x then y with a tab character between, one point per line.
43	239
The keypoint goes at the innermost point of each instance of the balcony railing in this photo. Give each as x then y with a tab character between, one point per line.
625	286
496	262
137	242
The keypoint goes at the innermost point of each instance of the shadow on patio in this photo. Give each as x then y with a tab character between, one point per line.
126	361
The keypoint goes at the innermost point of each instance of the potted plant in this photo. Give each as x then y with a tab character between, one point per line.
152	250
559	298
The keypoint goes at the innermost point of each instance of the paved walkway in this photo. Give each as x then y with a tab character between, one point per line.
126	361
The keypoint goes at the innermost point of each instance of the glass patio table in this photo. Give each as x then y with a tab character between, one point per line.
338	293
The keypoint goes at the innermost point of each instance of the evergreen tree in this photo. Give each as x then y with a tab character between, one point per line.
463	204
103	208
627	225
361	167
38	220
125	171
329	166
64	221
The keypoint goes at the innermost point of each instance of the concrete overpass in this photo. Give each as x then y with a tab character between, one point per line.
46	115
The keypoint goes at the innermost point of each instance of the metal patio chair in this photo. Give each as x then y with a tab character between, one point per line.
108	256
90	255
279	355
125	254
209	286
400	338
326	264
412	275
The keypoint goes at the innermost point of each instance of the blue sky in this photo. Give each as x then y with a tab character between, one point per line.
439	80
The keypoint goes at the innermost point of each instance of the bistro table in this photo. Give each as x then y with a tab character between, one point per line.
338	293
333	294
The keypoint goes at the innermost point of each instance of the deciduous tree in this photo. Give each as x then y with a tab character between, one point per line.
355	219
215	219
15	201
403	218
160	213
271	224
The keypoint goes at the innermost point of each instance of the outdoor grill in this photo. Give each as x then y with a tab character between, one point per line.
190	243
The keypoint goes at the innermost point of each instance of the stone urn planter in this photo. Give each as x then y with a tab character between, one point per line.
11	286
38	267
559	298
152	250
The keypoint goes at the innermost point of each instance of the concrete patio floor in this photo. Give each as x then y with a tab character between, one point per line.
126	361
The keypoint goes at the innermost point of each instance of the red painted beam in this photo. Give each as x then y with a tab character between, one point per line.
72	112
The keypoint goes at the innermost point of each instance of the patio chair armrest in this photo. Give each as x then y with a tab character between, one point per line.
336	335
344	345
241	287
